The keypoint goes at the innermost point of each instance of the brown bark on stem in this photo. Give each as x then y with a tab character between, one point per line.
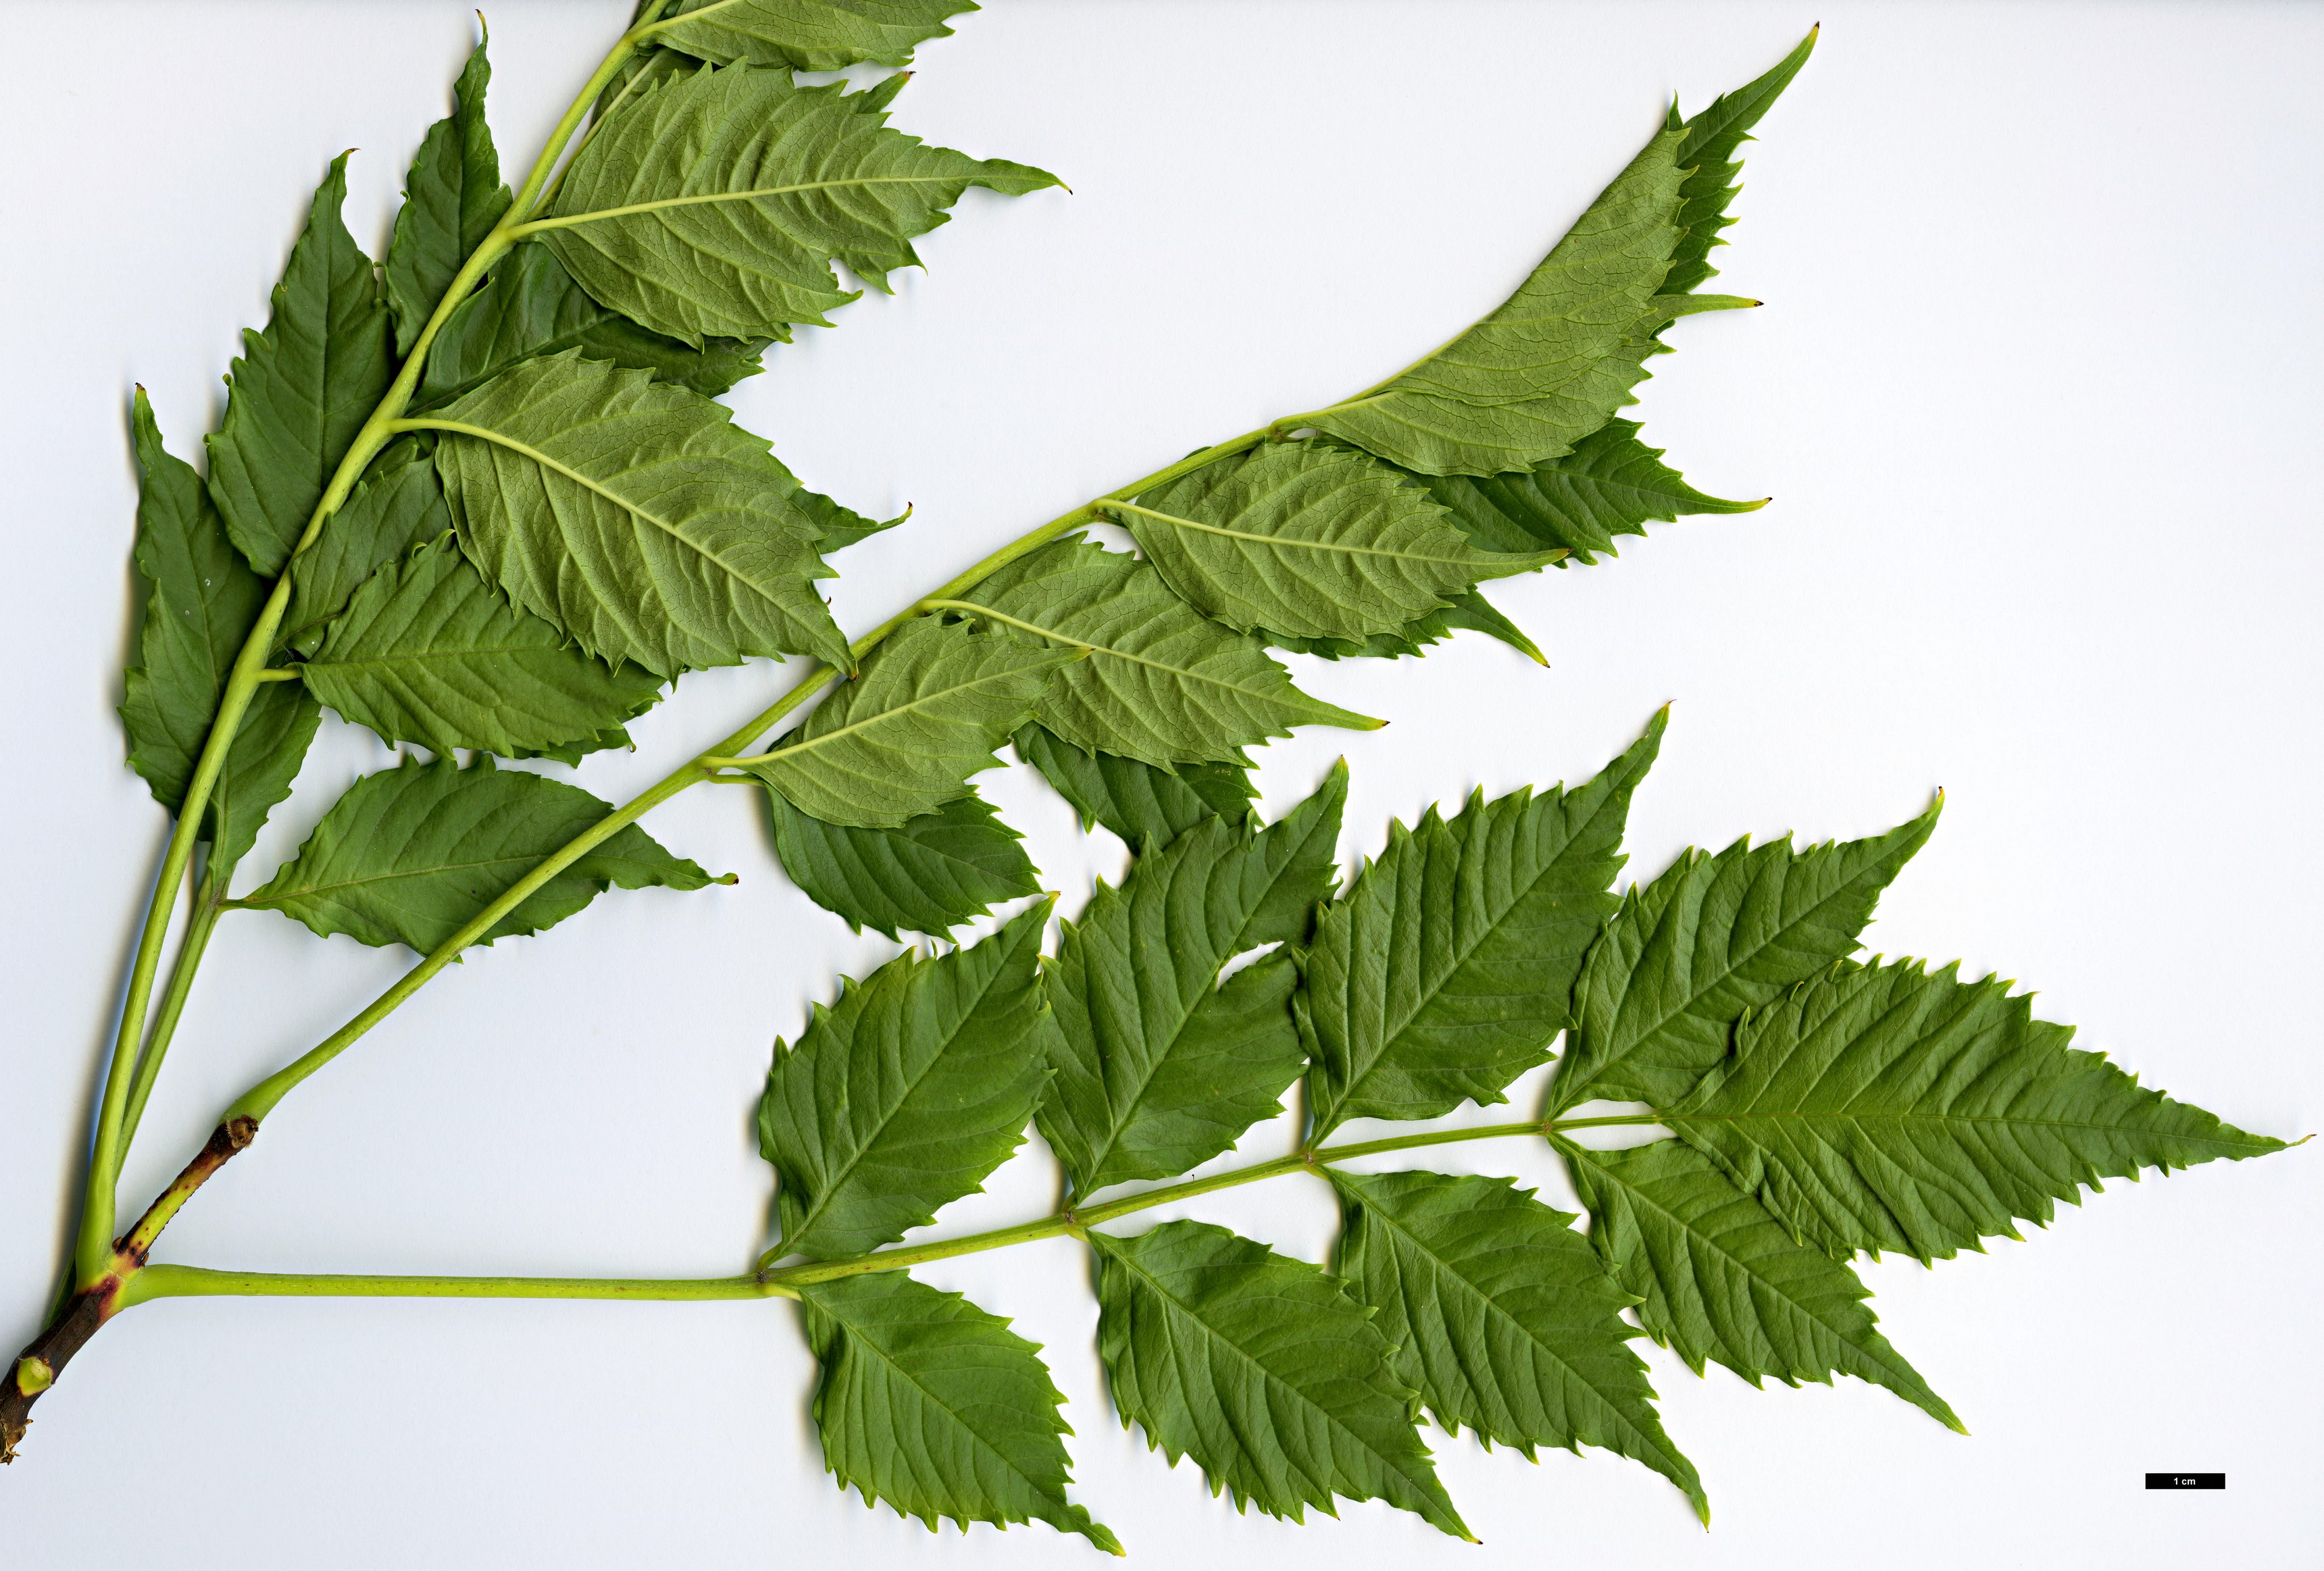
36	1368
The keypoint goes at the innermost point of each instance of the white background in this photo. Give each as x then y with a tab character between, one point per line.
2036	393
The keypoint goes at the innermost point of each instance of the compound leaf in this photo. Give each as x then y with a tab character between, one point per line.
812	35
928	873
934	1406
302	388
201	601
1447	968
636	515
409	855
1884	1107
398	504
1714	936
1163	683
906	1094
1308	541
1720	1278
903	738
531	307
1502	1316
1610	484
1140	803
451	199
427	652
1263	1370
713	203
1159	1066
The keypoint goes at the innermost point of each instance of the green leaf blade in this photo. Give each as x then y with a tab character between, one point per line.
411	855
1139	802
302	388
1263	1370
1720	1279
636	515
1610	484
1163	683
1886	1107
1448	967
936	1407
451	199
928	873
713	203
1712	937
933	702
397	505
907	1093
1159	1066
1707	151
810	35
427	652
1309	541
1502	1317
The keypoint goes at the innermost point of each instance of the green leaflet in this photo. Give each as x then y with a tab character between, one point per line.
1713	937
928	873
812	35
398	504
906	1094
1711	139
1164	684
1502	1317
1553	361
201	601
302	388
1447	968
1139	802
635	515
1882	1107
1471	610
715	203
427	652
1720	1278
451	199
903	738
1263	1370
1307	541
409	855
1159	1066
1610	484
937	1408
530	306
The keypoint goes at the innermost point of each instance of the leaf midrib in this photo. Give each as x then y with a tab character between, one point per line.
917	702
1675	1119
433	870
1289	542
632	208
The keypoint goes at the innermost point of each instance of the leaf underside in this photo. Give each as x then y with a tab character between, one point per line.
812	35
409	855
928	873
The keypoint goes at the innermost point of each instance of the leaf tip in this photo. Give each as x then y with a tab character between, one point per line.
728	878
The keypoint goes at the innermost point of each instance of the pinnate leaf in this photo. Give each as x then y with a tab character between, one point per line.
1886	1107
1263	1370
812	35
1302	540
427	652
530	306
934	1406
928	873
1502	1316
451	199
933	702
201	601
1163	683
302	388
411	855
636	515
398	504
1610	484
1158	1066
906	1094
1715	936
1139	802
713	203
1720	1279
1447	968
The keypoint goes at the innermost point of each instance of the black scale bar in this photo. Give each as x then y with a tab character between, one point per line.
2186	1481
